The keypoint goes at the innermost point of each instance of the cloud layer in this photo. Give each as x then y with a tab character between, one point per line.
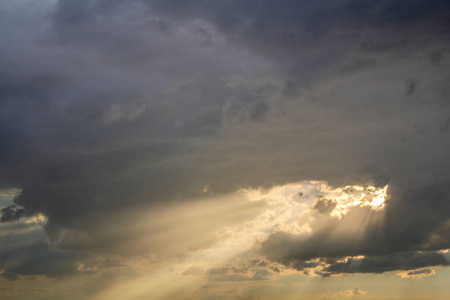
108	109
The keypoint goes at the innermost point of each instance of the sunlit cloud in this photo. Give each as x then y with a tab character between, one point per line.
418	273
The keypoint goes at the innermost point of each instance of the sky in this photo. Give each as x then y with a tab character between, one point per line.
229	149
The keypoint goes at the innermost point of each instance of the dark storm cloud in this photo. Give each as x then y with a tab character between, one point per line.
73	152
108	108
312	16
296	34
312	35
11	213
24	251
380	264
38	260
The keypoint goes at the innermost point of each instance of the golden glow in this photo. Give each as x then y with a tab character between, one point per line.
228	231
38	219
418	273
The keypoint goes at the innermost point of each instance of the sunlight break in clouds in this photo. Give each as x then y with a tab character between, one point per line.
234	255
228	250
229	149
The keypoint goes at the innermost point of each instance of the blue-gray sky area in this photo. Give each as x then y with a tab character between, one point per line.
229	149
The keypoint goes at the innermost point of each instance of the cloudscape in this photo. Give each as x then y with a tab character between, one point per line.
229	149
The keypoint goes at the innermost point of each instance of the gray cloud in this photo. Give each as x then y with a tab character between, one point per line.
39	260
24	251
11	213
324	206
402	261
107	108
410	86
418	273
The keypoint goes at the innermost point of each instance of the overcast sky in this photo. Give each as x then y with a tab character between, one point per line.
229	149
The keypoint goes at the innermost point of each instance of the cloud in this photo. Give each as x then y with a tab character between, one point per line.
380	264
255	269
410	86
417	273
245	272
344	294
154	229
39	260
194	271
24	252
388	240
11	213
324	206
113	114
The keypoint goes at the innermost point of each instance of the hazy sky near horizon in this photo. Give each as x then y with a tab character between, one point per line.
232	149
